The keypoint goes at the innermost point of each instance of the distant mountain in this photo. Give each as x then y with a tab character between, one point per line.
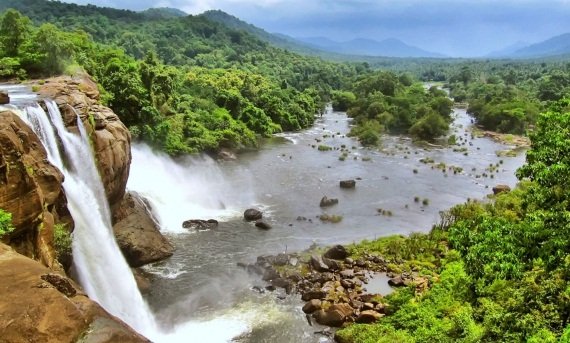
508	50
163	13
390	47
559	45
279	40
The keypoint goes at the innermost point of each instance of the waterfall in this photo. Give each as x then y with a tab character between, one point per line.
100	266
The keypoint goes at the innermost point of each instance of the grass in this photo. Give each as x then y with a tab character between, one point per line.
324	148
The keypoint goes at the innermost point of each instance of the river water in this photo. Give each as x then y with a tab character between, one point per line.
286	178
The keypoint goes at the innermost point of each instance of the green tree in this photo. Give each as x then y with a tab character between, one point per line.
14	30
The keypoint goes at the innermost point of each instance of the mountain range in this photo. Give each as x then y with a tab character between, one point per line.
323	46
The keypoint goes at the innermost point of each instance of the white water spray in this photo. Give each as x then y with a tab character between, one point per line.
100	266
177	195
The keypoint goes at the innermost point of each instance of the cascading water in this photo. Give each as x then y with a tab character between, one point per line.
98	262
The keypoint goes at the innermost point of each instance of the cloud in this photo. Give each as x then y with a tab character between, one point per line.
453	27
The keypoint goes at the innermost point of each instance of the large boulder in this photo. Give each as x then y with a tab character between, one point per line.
137	232
335	316
40	306
252	214
316	262
30	189
312	306
4	98
111	139
337	252
501	189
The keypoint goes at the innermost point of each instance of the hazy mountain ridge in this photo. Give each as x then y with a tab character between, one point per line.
390	47
558	45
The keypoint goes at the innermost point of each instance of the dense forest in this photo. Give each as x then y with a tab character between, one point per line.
184	84
499	270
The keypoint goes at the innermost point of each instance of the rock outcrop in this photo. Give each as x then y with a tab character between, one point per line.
111	138
30	189
39	306
4	98
138	234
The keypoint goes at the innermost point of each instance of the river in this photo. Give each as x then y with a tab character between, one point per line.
286	178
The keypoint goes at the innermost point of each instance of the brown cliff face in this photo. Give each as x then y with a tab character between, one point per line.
40	306
30	189
111	139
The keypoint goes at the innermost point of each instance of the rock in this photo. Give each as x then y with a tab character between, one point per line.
137	232
40	306
347	274
317	264
313	294
398	281
325	202
200	225
337	252
332	264
110	137
312	306
347	184
348	261
31	190
281	260
252	214
367	317
282	283
226	155
368	306
142	279
262	225
335	316
270	274
4	98
501	188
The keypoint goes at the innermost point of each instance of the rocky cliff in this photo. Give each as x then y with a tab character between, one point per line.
111	139
41	306
30	189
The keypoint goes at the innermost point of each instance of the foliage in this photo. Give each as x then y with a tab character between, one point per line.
184	84
5	223
62	241
386	102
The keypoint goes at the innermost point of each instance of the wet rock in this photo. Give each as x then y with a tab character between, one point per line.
347	273
295	277
226	155
332	264
61	283
501	188
398	281
317	264
282	283
4	98
262	225
200	225
347	184
312	306
367	317
270	274
335	316
337	252
281	260
252	214
313	294
325	202
142	279
259	289
138	233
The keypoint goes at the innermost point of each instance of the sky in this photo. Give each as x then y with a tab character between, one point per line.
457	28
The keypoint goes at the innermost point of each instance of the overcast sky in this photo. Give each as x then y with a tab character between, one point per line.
450	27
